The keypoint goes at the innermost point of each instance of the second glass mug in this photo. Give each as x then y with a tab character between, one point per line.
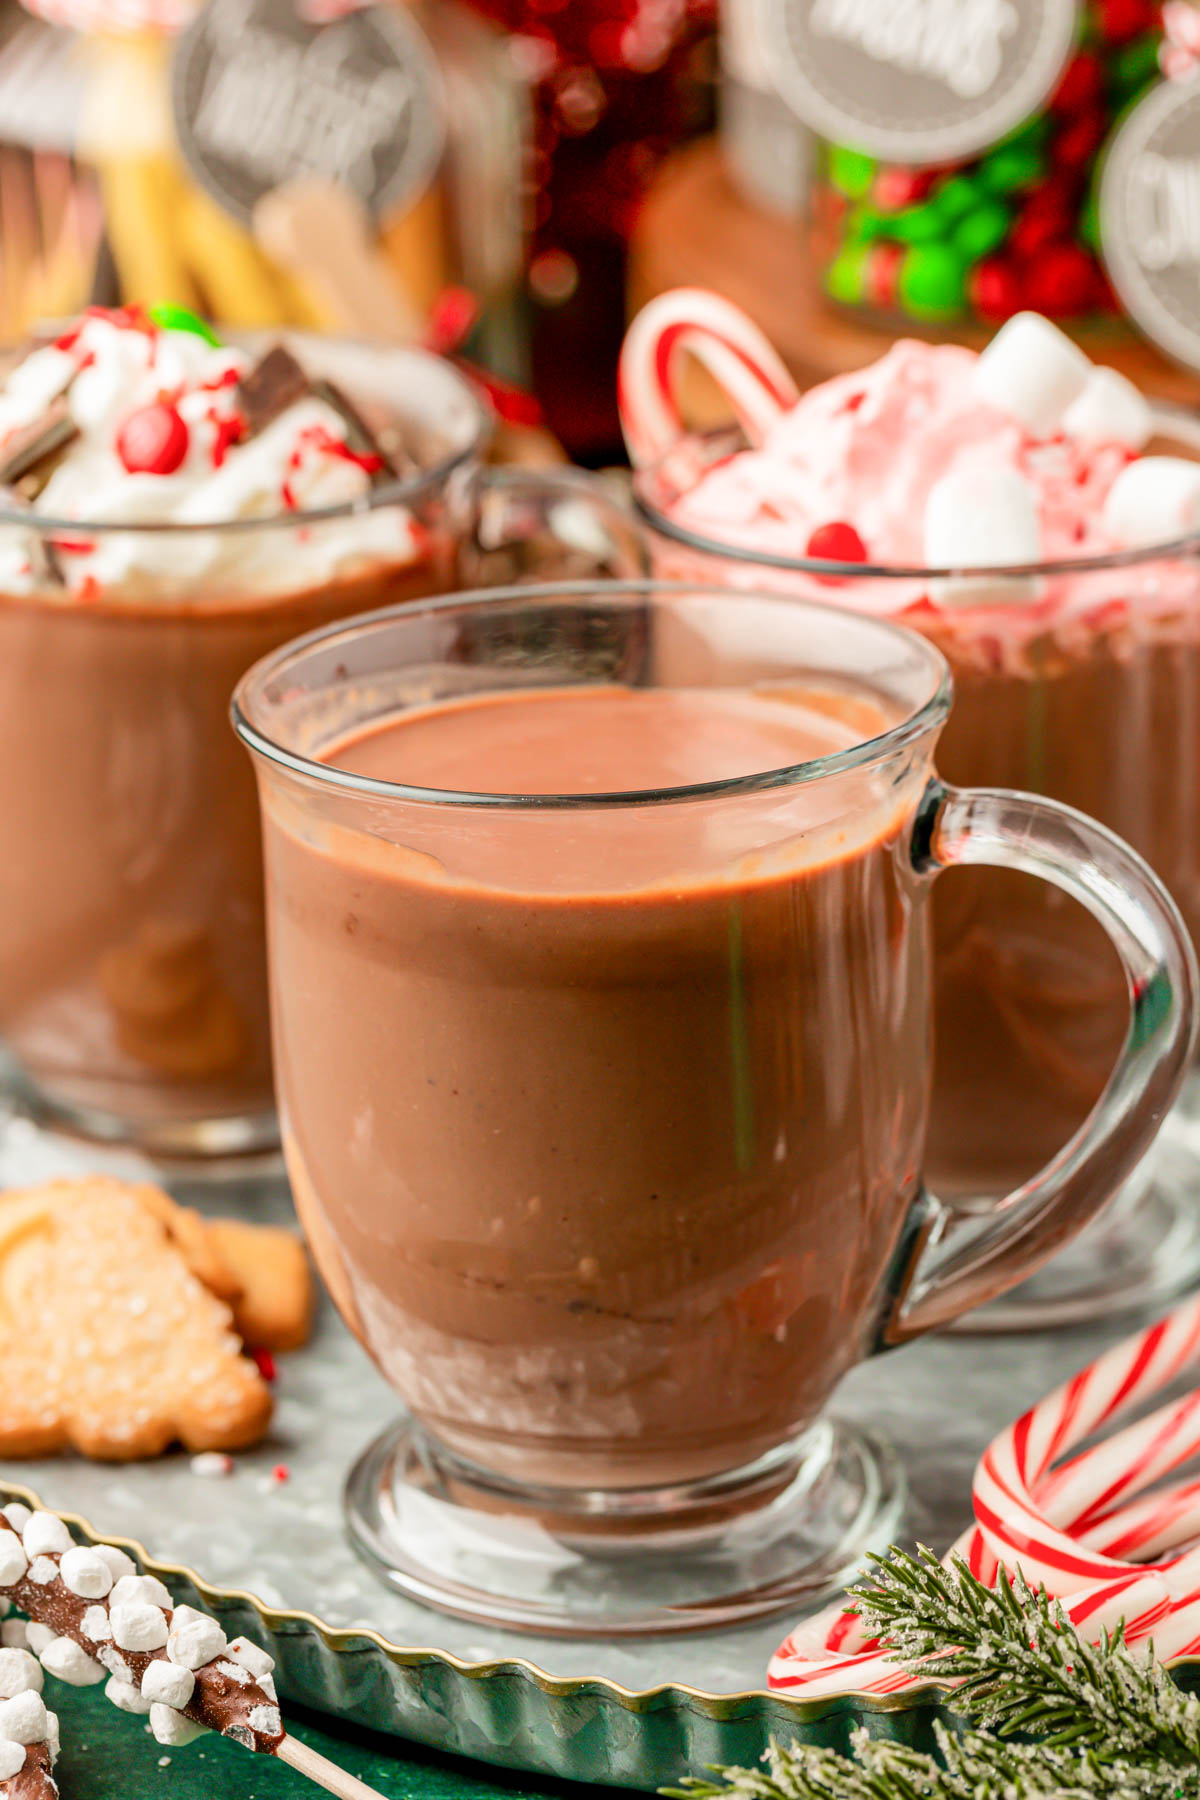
133	1003
605	1112
1095	702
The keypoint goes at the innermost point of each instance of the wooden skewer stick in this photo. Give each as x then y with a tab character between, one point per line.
320	232
326	1774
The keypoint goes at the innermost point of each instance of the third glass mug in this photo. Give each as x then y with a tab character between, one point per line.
604	1100
133	1003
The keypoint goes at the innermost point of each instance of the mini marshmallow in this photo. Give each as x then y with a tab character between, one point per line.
125	1695
1153	501
20	1673
5	1608
168	1684
45	1534
139	1628
195	1638
13	1560
1110	410
976	518
86	1574
14	1634
251	1656
1032	371
17	1515
115	1663
53	1741
12	1759
118	1563
23	1718
38	1636
96	1624
43	1570
234	1672
140	1590
265	1719
172	1728
69	1662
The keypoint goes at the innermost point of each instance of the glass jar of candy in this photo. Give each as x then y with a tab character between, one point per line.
1014	226
1011	227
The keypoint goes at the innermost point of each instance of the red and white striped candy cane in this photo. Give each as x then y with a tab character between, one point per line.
1079	1527
732	349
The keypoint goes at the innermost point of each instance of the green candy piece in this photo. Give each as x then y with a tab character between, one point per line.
846	276
1012	167
169	317
983	230
917	224
958	195
850	171
1089	221
933	282
864	224
1135	64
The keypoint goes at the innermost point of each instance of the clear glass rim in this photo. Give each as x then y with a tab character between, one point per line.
652	515
403	489
923	719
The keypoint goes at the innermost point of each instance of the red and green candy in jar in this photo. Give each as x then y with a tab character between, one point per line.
1013	227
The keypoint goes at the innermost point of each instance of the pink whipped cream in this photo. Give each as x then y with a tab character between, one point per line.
929	444
867	448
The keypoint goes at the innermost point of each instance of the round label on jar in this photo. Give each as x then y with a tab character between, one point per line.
263	96
917	81
1149	217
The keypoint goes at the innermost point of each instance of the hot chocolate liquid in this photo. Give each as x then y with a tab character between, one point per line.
604	1123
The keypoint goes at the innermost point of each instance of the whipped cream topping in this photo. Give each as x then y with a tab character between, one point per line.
892	454
869	447
110	367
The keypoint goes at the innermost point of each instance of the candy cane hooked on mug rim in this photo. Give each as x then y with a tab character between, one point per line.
1078	1526
721	337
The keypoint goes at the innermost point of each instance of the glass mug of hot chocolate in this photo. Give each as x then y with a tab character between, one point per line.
172	509
1040	523
601	993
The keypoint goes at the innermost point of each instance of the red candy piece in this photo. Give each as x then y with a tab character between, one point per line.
836	542
894	187
1082	85
1124	19
1078	142
264	1362
1044	219
882	272
153	440
1061	281
995	290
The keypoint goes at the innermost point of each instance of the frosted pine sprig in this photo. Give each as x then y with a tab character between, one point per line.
1104	1721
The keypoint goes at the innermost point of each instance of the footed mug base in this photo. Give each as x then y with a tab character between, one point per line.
585	1563
1141	1253
43	1136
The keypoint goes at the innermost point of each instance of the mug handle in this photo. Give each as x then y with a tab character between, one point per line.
548	524
951	1261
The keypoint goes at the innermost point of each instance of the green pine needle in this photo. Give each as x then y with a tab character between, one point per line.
1046	1716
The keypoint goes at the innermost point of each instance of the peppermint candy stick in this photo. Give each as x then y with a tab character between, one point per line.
719	335
1077	1527
92	1616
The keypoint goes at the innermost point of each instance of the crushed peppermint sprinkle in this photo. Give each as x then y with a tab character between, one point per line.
264	1362
280	1473
214	1464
